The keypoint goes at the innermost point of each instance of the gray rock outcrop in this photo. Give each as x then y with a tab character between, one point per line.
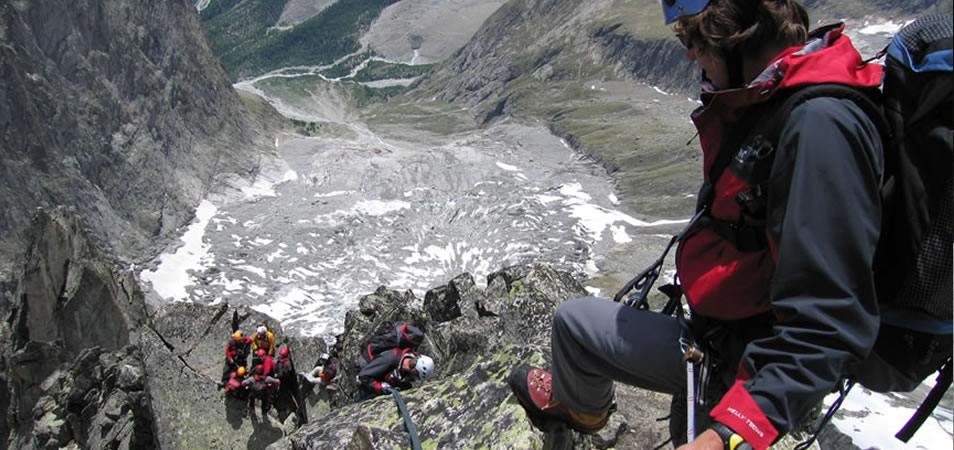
476	337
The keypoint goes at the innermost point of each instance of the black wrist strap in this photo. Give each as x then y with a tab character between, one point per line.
730	439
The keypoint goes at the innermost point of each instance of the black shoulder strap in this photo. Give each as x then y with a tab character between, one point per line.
868	99
928	405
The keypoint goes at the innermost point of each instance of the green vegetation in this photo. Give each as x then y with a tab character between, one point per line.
637	19
242	38
306	128
234	25
381	70
364	96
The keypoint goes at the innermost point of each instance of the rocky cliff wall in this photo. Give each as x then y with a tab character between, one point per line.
118	109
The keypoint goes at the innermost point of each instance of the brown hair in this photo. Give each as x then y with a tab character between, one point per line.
746	26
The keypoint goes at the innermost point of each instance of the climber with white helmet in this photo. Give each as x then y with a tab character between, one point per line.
264	339
394	369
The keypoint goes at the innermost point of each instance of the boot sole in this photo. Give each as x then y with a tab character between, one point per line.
543	422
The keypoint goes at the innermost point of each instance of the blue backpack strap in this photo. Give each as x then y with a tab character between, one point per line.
925	45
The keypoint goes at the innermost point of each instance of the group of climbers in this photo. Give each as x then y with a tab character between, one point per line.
261	379
389	361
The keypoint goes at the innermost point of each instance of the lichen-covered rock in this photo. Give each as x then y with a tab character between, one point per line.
473	408
476	338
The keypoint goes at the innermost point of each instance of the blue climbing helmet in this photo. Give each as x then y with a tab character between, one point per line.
675	8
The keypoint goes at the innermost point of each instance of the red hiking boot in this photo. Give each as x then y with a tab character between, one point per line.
532	386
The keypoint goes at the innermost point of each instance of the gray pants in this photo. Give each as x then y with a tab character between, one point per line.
597	341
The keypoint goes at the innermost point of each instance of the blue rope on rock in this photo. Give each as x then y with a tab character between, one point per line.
411	430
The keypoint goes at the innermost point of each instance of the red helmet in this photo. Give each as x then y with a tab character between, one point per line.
283	352
261	352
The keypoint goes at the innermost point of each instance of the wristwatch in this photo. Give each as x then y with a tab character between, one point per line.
730	440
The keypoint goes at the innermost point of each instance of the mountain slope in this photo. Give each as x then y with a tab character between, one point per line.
243	36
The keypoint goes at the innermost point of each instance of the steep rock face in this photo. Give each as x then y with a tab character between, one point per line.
660	62
69	299
515	41
118	109
67	288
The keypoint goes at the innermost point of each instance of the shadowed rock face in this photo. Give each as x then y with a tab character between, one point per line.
67	289
118	109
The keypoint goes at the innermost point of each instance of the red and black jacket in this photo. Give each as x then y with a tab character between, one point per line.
819	211
266	368
404	336
285	368
385	368
238	349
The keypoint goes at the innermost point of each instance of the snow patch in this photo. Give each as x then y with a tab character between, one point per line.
871	419
172	277
887	28
507	167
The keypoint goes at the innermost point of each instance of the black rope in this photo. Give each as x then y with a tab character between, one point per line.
645	280
411	430
663	444
842	393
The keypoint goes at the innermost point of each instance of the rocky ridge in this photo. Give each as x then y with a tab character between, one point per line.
150	379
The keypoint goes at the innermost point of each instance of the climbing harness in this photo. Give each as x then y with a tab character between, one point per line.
411	430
